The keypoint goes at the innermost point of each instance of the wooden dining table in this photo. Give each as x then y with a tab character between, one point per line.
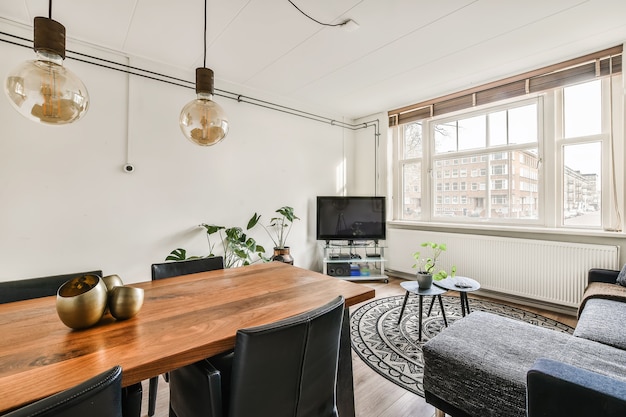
183	319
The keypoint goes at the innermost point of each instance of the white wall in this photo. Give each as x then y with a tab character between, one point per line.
66	205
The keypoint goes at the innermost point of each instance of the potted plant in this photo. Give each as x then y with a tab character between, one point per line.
426	265
278	230
238	248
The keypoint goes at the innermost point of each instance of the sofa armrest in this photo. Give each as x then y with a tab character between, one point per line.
559	389
602	275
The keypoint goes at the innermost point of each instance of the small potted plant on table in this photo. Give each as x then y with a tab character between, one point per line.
278	230
426	265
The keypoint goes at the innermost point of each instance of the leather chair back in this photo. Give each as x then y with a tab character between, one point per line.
190	266
284	369
288	368
100	396
25	289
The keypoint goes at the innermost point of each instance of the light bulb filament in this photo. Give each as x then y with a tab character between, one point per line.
51	98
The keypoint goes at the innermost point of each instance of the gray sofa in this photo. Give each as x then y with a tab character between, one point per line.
488	365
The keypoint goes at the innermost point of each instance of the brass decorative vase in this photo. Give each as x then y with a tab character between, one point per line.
81	301
282	255
112	281
125	302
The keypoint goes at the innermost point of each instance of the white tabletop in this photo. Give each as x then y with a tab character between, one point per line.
413	287
457	283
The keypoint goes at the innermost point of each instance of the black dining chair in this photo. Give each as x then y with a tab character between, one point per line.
100	396
173	269
284	369
26	289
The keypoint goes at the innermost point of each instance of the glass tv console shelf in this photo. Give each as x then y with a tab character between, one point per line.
362	261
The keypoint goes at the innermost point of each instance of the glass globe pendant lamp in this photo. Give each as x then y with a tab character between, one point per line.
43	90
202	120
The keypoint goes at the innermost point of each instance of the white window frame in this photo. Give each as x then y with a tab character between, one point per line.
550	177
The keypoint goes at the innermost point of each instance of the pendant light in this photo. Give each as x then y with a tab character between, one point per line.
43	90
202	120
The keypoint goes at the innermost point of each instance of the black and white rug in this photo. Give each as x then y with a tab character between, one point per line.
394	351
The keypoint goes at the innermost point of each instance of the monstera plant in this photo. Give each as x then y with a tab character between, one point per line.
238	248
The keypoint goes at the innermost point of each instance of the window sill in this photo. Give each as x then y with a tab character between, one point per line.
493	229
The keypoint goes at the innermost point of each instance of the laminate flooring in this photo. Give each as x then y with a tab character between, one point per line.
374	395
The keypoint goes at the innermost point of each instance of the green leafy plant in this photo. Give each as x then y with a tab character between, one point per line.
238	248
426	265
280	226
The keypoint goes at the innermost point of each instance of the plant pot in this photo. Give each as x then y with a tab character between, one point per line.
424	280
282	255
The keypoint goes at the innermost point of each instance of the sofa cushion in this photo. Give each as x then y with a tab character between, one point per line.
603	321
597	357
481	361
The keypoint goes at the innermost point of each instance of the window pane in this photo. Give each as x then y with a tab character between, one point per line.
501	185
523	124
582	185
445	137
582	109
412	140
412	194
465	199
472	133
525	169
497	128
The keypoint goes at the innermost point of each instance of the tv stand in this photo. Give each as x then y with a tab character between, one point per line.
355	261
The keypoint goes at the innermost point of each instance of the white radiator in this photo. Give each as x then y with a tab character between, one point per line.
553	272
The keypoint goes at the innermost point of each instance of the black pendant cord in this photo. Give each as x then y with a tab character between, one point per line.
205	10
50	9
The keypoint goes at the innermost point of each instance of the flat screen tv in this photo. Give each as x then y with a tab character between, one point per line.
351	218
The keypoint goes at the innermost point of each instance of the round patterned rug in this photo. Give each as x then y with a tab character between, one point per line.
395	352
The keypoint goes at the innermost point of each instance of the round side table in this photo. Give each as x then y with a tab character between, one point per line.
413	287
461	284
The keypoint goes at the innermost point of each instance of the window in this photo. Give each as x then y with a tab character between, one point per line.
502	151
582	154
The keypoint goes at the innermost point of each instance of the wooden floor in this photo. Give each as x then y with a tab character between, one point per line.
375	396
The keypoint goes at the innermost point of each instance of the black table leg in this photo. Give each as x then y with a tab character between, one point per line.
466	303
406	298
463	295
431	305
443	312
420	317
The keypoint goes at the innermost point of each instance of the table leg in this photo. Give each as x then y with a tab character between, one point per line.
345	380
406	298
466	303
463	295
420	317
431	305
443	312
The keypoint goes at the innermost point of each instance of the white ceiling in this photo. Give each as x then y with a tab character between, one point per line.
404	51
